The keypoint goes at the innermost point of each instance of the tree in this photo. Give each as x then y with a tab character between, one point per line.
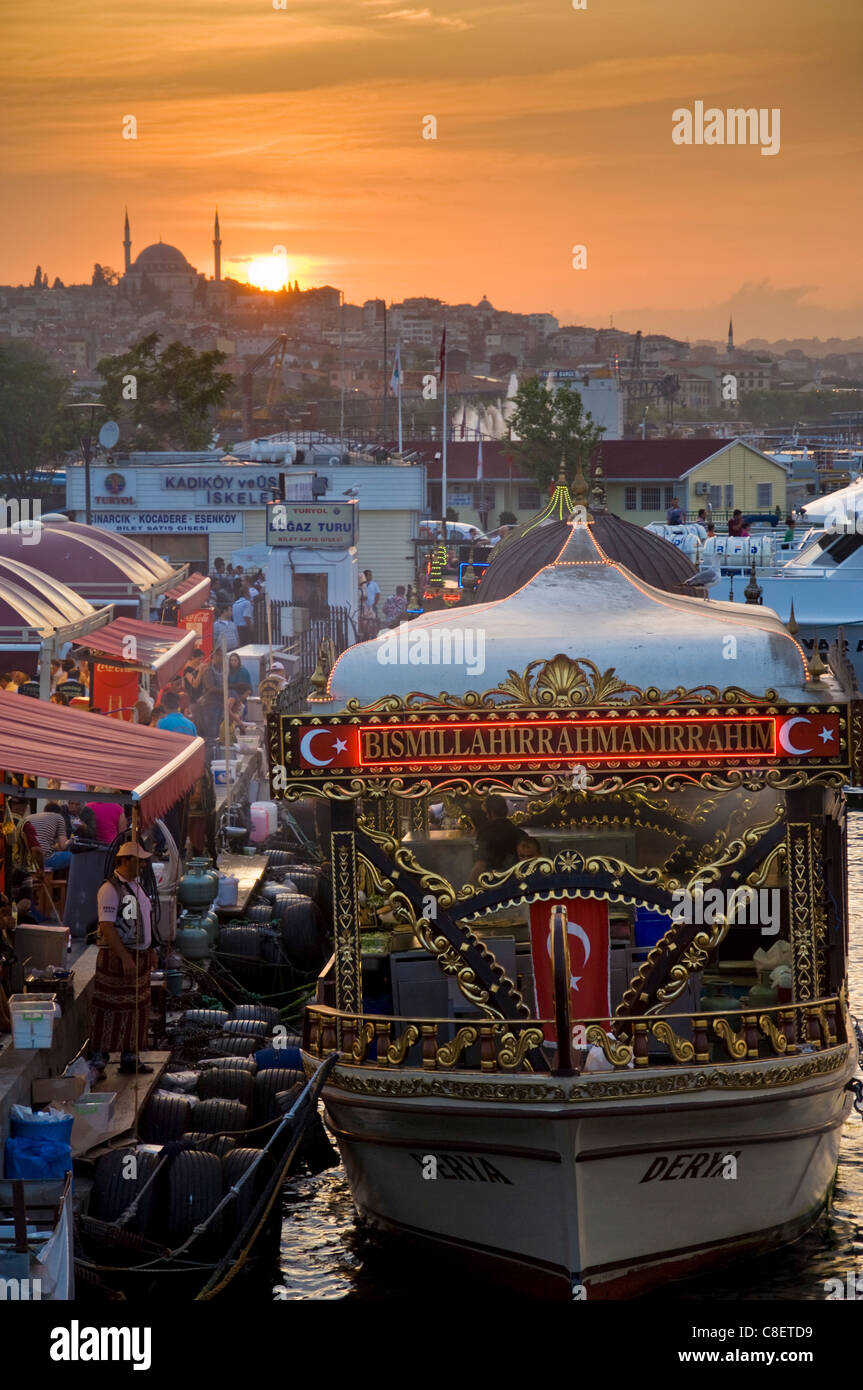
98	276
37	278
550	425
33	429
58	283
168	397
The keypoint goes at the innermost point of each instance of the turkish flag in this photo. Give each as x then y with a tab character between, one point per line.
807	736
322	745
588	937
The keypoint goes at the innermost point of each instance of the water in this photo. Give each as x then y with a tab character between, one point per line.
326	1255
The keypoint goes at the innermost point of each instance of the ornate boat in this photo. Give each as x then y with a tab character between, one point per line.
624	1056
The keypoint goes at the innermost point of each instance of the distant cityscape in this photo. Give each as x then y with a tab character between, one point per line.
311	362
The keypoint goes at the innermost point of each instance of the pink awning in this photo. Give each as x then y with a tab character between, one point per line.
42	740
190	594
155	647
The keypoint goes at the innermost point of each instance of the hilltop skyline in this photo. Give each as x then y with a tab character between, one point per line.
553	130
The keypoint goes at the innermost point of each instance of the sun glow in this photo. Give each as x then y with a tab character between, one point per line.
269	272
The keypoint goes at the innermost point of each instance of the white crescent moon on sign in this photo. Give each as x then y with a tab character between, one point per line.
306	749
785	740
574	929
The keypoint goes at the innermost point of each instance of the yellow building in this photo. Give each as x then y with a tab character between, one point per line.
719	475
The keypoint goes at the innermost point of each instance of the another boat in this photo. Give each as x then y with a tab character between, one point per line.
36	1261
580	1067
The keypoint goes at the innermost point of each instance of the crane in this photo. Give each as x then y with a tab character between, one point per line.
274	357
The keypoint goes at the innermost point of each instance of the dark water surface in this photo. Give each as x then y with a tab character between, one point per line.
326	1254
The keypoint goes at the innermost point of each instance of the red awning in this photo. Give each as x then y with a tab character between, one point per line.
45	740
155	647
190	594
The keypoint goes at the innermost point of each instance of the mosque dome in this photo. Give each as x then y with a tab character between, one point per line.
161	259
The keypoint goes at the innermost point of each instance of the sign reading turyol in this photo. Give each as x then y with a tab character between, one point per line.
318	525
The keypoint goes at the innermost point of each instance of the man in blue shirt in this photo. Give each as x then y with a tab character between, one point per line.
174	721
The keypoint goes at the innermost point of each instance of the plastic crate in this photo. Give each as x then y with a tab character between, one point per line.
32	1020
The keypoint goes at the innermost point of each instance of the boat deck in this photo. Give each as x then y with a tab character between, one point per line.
131	1099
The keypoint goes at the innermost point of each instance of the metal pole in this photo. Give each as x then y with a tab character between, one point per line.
86	447
399	395
386	364
342	339
223	643
443	446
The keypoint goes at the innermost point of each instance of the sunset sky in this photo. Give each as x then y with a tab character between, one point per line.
554	128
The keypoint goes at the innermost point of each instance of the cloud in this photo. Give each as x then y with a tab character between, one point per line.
426	17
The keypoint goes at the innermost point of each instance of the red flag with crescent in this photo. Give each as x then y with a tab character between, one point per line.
588	939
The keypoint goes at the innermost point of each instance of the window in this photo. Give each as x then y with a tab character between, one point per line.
528	499
630	499
715	493
669	496
764	495
729	497
650	499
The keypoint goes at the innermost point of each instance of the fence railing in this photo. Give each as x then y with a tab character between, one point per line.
335	625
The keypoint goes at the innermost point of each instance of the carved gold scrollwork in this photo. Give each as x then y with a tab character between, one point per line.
397	1050
734	1042
513	1050
362	1042
681	1049
620	1054
778	1040
448	1055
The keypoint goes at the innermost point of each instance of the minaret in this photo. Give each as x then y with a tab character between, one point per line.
217	250
730	348
127	245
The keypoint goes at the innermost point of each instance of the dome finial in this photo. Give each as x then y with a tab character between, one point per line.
579	485
561	472
597	492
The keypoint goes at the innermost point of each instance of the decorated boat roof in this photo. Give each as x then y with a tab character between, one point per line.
585	607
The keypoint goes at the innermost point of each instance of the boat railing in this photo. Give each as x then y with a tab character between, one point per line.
490	1045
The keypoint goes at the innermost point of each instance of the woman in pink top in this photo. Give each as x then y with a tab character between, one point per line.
110	819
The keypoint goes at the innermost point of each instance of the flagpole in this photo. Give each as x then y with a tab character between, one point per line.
445	433
399	394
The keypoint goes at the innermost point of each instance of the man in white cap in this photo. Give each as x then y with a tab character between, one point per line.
121	993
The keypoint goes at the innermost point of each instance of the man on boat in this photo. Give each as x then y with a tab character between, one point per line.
497	840
121	994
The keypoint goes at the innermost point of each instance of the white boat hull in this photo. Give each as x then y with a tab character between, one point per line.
615	1185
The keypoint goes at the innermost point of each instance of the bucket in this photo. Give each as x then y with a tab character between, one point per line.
42	1160
264	820
51	1125
229	889
174	982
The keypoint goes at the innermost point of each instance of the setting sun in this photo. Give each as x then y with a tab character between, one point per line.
269	272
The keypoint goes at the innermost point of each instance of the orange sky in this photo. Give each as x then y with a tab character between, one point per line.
554	128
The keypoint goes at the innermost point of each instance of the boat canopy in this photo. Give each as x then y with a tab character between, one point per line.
155	647
54	741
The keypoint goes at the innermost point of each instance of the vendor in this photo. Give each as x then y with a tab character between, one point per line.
497	840
235	718
121	993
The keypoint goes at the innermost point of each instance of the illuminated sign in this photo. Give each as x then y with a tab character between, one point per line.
514	743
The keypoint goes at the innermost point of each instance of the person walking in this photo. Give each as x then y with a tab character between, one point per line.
121	987
243	615
225	626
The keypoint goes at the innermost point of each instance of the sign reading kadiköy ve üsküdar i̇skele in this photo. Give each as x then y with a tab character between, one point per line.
514	744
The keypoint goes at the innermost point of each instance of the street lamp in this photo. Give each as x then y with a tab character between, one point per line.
87	450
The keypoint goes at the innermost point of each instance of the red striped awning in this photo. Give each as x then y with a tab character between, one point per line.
154	647
190	594
53	741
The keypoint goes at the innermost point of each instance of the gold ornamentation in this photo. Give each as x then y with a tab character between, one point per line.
397	1051
778	1040
681	1049
508	1088
362	1042
735	1043
620	1054
513	1050
448	1055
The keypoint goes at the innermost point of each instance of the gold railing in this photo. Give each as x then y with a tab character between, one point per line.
439	1044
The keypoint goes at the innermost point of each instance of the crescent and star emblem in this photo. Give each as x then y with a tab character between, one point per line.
337	746
576	930
788	746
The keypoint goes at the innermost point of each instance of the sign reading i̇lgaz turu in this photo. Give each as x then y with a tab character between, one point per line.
516	743
318	525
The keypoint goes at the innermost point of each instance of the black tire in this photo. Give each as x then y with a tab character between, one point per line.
234	1165
305	883
264	1011
227	1083
218	1116
240	941
234	1064
165	1118
268	1084
204	1018
302	930
275	857
233	1047
113	1193
194	1190
218	1144
246	1028
261	912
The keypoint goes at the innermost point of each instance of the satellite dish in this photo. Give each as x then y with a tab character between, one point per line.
109	434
